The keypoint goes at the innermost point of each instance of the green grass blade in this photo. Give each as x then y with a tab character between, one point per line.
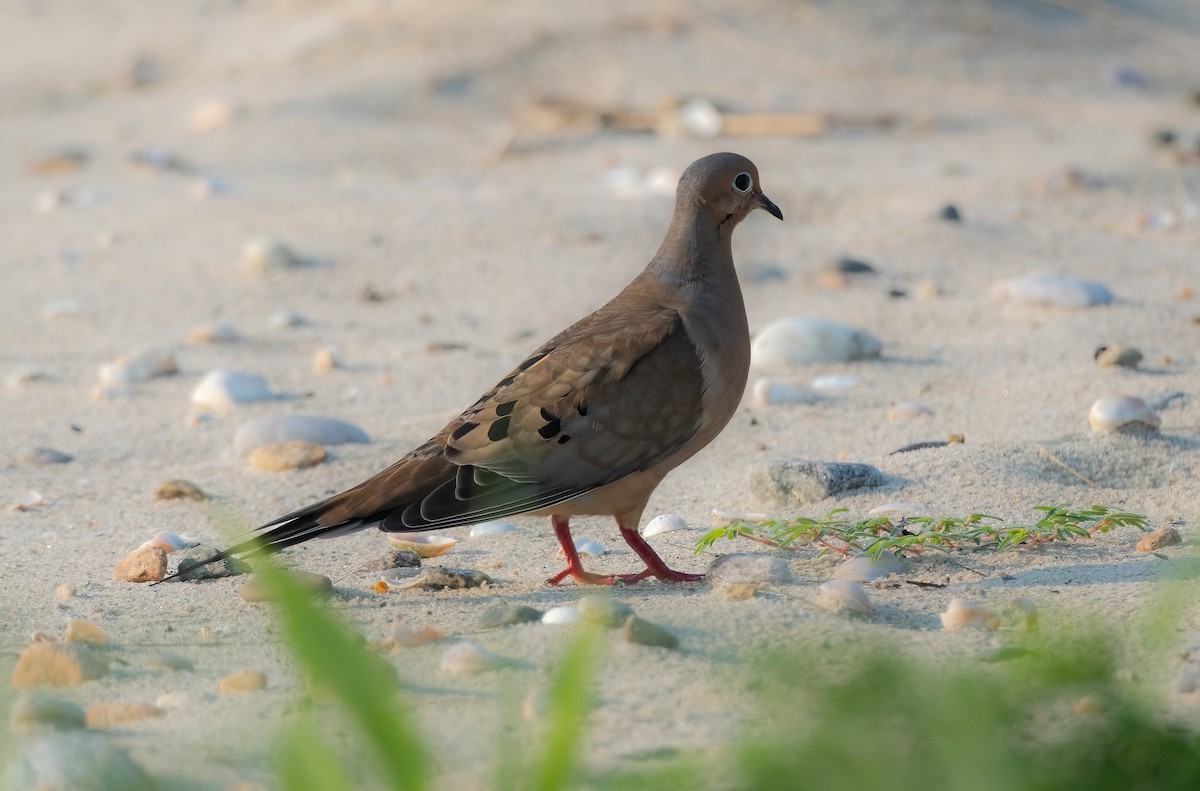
307	764
568	700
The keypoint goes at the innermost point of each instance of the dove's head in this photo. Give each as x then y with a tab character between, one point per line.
725	185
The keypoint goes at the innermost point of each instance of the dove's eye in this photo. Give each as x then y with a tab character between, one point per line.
742	182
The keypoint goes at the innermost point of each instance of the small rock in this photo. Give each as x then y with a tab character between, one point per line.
507	615
1157	539
561	615
194	564
109	715
663	523
765	392
44	456
255	590
635	630
287	320
129	369
74	761
864	568
394	559
790	483
205	334
273	429
927	290
65	591
493	528
210	115
747	568
604	610
846	596
242	681
1046	289
262	255
81	631
296	454
799	341
465	658
949	213
325	359
699	117
144	564
438	578
57	665
179	489
223	390
165	661
963	614
1125	357
34	711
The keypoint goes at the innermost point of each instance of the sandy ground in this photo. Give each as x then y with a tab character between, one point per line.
377	141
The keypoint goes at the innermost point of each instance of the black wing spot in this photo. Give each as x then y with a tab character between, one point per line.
505	408
464	430
551	428
547	415
563	439
581	409
499	429
505	382
532	361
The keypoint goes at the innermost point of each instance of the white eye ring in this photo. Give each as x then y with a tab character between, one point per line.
742	182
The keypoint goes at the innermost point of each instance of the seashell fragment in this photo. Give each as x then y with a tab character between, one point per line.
561	615
424	546
765	392
586	546
1124	413
168	542
270	429
798	341
663	523
223	390
746	568
27	503
296	454
466	658
864	568
1048	289
1123	356
492	528
179	489
268	253
962	614
847	596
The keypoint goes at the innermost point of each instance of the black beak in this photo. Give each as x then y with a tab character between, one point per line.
765	203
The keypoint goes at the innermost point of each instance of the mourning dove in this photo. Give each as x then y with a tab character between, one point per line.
592	421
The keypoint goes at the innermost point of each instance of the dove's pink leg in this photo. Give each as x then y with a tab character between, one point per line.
574	569
655	567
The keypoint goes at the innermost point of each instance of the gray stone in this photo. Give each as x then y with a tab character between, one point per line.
508	615
76	760
642	632
36	711
394	559
604	610
789	483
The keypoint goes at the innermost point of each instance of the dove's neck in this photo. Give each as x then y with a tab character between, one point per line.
696	255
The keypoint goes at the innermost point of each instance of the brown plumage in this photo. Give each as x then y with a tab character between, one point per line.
593	420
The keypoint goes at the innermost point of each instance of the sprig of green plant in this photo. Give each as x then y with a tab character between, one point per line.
914	534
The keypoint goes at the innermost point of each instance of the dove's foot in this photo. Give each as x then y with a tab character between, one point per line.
655	567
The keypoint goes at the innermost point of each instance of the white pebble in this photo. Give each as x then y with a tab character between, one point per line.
664	523
798	341
262	255
906	411
1047	289
465	657
745	568
767	391
1110	414
223	390
137	367
962	614
700	118
493	528
272	429
561	615
586	546
834	382
864	568
846	595
168	542
286	320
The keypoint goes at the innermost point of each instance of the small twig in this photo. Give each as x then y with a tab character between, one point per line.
1042	449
